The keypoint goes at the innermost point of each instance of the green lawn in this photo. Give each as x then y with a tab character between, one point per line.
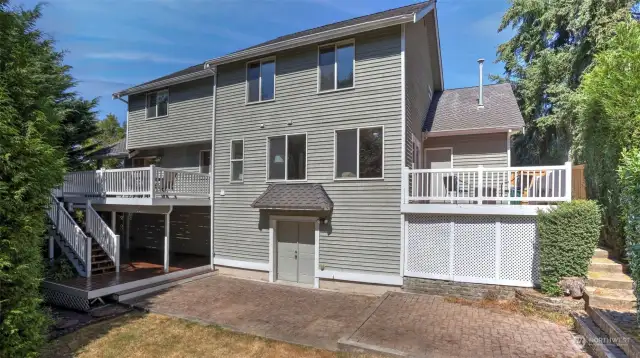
152	335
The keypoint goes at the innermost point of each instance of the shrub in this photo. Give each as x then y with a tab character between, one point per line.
568	237
629	181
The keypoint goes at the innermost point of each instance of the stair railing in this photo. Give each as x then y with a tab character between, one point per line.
72	234
108	240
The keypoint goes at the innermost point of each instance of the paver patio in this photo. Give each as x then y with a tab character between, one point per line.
423	325
419	325
292	314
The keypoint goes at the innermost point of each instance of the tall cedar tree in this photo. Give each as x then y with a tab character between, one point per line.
554	43
37	114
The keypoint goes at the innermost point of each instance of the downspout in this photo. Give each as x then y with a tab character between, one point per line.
212	166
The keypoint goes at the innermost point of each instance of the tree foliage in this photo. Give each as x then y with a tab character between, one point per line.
37	108
608	121
554	43
109	132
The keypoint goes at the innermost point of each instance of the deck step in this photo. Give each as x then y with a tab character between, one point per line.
609	280
610	298
596	340
606	265
130	294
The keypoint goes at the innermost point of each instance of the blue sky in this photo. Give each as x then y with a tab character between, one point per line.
114	44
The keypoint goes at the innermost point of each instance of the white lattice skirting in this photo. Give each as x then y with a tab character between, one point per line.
490	249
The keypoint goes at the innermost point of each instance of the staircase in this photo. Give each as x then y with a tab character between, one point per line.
75	237
608	292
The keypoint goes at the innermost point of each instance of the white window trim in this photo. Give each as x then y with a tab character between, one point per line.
426	154
146	103
246	80
231	160
200	161
335	66
286	166
335	153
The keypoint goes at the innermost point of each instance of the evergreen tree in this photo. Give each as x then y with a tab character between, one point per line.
41	120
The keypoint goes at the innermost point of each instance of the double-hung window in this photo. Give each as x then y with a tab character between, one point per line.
237	160
261	80
158	104
287	157
359	153
336	66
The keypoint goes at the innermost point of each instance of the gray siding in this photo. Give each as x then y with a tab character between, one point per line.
419	81
189	230
189	119
186	157
364	233
469	151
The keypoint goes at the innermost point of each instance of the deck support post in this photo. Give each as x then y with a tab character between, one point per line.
569	179
127	230
88	258
113	221
51	250
480	184
117	253
167	224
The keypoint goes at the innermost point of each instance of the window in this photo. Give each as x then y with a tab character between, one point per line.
287	157
261	80
158	104
336	66
237	160
205	161
142	162
359	153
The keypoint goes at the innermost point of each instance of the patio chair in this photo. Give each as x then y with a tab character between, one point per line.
454	186
167	183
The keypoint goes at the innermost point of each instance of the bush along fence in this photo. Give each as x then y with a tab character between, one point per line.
568	237
629	179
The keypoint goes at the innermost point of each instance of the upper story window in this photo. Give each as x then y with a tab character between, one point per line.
237	160
261	80
336	64
158	104
205	161
359	153
287	157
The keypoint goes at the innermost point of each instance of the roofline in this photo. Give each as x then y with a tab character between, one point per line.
209	67
207	71
321	36
482	130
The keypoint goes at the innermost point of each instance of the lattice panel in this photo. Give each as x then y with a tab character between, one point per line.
519	254
66	300
474	245
428	244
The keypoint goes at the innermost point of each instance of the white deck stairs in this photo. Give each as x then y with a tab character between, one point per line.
90	245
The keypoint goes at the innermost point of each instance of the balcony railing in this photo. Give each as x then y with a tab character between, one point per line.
512	185
148	182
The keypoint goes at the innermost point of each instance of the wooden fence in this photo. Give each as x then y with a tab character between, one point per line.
578	183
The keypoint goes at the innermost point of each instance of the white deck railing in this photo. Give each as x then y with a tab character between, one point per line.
108	240
71	232
513	185
149	182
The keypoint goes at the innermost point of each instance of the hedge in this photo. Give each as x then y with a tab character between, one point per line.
568	237
629	181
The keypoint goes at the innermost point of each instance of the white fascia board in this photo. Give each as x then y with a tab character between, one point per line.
422	13
474	209
471	131
311	39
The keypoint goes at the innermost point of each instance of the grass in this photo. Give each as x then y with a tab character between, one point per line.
521	308
151	335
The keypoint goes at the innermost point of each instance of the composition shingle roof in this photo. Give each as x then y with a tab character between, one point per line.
303	196
457	109
404	10
115	150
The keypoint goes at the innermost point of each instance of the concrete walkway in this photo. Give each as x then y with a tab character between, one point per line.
396	323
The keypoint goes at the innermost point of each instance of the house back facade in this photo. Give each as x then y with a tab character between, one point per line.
333	157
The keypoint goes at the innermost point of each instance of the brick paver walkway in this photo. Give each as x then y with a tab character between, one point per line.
305	316
423	325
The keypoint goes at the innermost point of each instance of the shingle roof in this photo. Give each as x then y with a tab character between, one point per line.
404	10
115	150
457	109
302	196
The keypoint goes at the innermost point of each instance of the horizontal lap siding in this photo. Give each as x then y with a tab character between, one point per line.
364	232
185	157
189	119
419	82
469	151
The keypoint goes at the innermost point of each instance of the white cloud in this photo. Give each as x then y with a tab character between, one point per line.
138	56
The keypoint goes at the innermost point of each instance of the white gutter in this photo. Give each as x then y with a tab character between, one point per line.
205	72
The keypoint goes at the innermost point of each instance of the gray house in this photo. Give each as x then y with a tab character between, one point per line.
332	157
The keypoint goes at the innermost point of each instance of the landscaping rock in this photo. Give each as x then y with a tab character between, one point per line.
107	311
572	286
